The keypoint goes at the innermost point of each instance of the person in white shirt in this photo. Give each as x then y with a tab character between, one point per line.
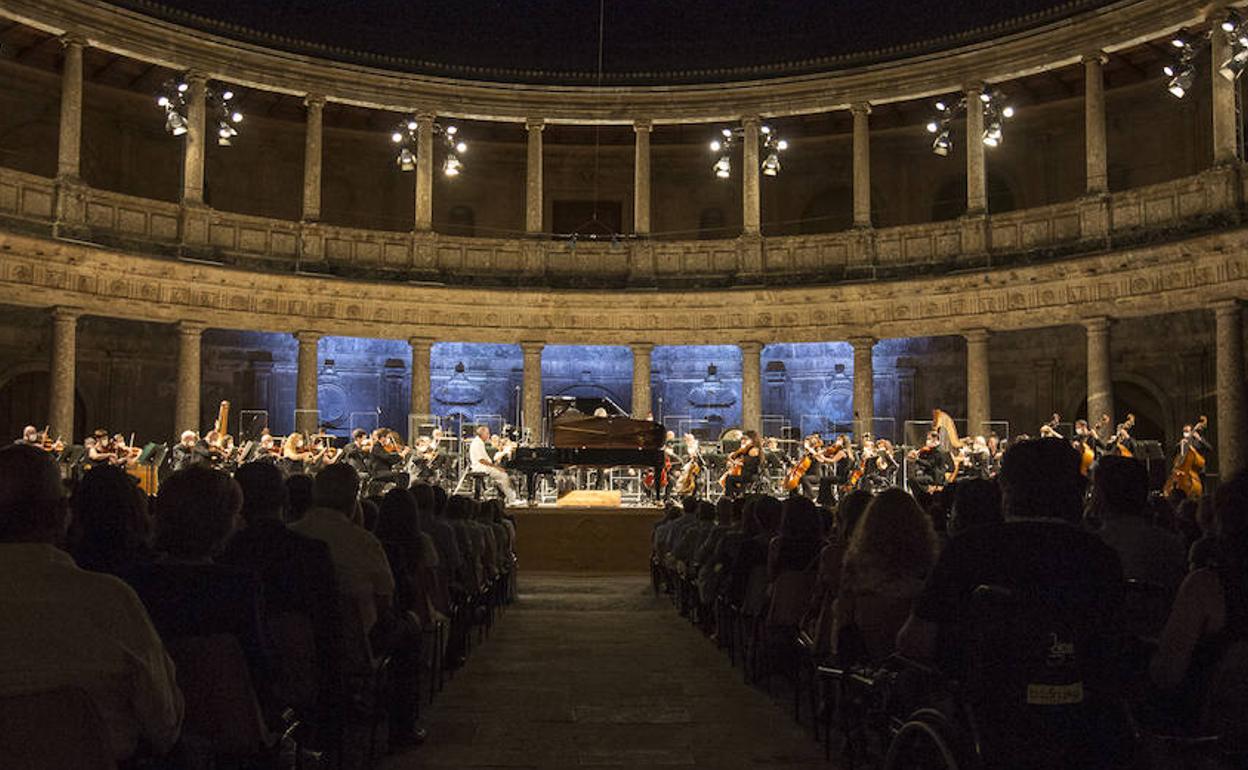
61	626
481	463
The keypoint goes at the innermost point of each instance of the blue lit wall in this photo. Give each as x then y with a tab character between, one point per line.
808	385
489	384
589	370
679	379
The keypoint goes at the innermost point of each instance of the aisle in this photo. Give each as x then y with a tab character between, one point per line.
594	672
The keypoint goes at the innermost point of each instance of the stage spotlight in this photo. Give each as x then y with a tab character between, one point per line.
452	165
175	123
406	160
942	145
396	137
461	148
771	164
1181	83
723	167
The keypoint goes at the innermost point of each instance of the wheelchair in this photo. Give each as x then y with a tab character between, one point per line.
1027	697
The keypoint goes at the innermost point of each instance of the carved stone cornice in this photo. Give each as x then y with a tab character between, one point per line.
1185	275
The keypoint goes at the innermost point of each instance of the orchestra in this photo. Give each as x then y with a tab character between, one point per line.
822	469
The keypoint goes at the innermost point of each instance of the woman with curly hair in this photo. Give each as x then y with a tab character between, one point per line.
890	553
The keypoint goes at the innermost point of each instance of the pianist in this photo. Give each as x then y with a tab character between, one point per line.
481	463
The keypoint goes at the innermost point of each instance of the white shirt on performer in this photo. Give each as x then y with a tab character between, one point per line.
477	456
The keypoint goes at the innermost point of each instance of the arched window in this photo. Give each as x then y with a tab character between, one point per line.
461	221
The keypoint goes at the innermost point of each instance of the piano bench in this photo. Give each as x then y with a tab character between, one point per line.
478	480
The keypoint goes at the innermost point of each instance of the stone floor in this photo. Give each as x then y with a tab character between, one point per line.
595	672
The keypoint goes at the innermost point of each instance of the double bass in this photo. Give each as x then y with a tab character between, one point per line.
1122	435
1185	474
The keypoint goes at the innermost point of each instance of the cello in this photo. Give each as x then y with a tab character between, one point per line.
1185	474
793	478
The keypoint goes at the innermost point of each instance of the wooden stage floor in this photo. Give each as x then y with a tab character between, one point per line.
584	540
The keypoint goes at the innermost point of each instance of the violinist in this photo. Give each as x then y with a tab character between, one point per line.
745	464
977	460
268	450
190	451
425	456
296	454
931	464
355	454
30	436
103	451
880	470
386	457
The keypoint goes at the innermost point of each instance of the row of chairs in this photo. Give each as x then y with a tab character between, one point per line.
224	722
903	713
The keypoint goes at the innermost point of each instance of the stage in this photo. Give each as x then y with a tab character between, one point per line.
584	539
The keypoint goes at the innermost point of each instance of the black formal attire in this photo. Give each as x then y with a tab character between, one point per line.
185	457
383	465
751	466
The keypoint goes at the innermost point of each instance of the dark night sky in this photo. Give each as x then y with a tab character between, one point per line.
641	35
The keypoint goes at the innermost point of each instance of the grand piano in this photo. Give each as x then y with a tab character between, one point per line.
578	438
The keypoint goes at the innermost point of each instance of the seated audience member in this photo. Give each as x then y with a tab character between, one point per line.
976	503
412	554
1120	503
819	621
691	540
1210	613
296	570
110	530
889	556
1054	575
185	592
61	626
298	496
450	560
748	582
363	573
1204	551
799	540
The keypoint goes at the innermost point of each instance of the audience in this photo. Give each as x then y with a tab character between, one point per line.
111	530
62	626
299	496
186	593
890	554
976	503
1120	503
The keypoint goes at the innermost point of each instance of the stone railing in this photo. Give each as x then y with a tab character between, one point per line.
1204	202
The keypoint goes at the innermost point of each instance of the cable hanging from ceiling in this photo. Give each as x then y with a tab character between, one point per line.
220	103
995	110
407	137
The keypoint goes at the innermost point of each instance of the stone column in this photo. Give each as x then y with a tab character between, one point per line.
976	181
1225	140
63	369
186	411
69	146
641	379
978	393
421	348
641	178
1094	149
531	409
751	200
424	172
312	148
751	385
1230	381
862	164
306	414
864	384
533	187
193	150
1100	378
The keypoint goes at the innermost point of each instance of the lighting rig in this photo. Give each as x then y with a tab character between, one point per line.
996	112
770	145
1187	47
406	137
219	104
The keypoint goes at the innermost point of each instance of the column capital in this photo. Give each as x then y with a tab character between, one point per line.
643	125
314	101
531	348
191	328
1097	324
860	108
535	124
195	77
73	40
425	117
421	342
1094	57
862	342
977	335
751	347
642	348
308	337
751	121
975	87
63	314
1223	307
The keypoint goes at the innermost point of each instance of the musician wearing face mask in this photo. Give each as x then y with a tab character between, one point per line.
386	457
